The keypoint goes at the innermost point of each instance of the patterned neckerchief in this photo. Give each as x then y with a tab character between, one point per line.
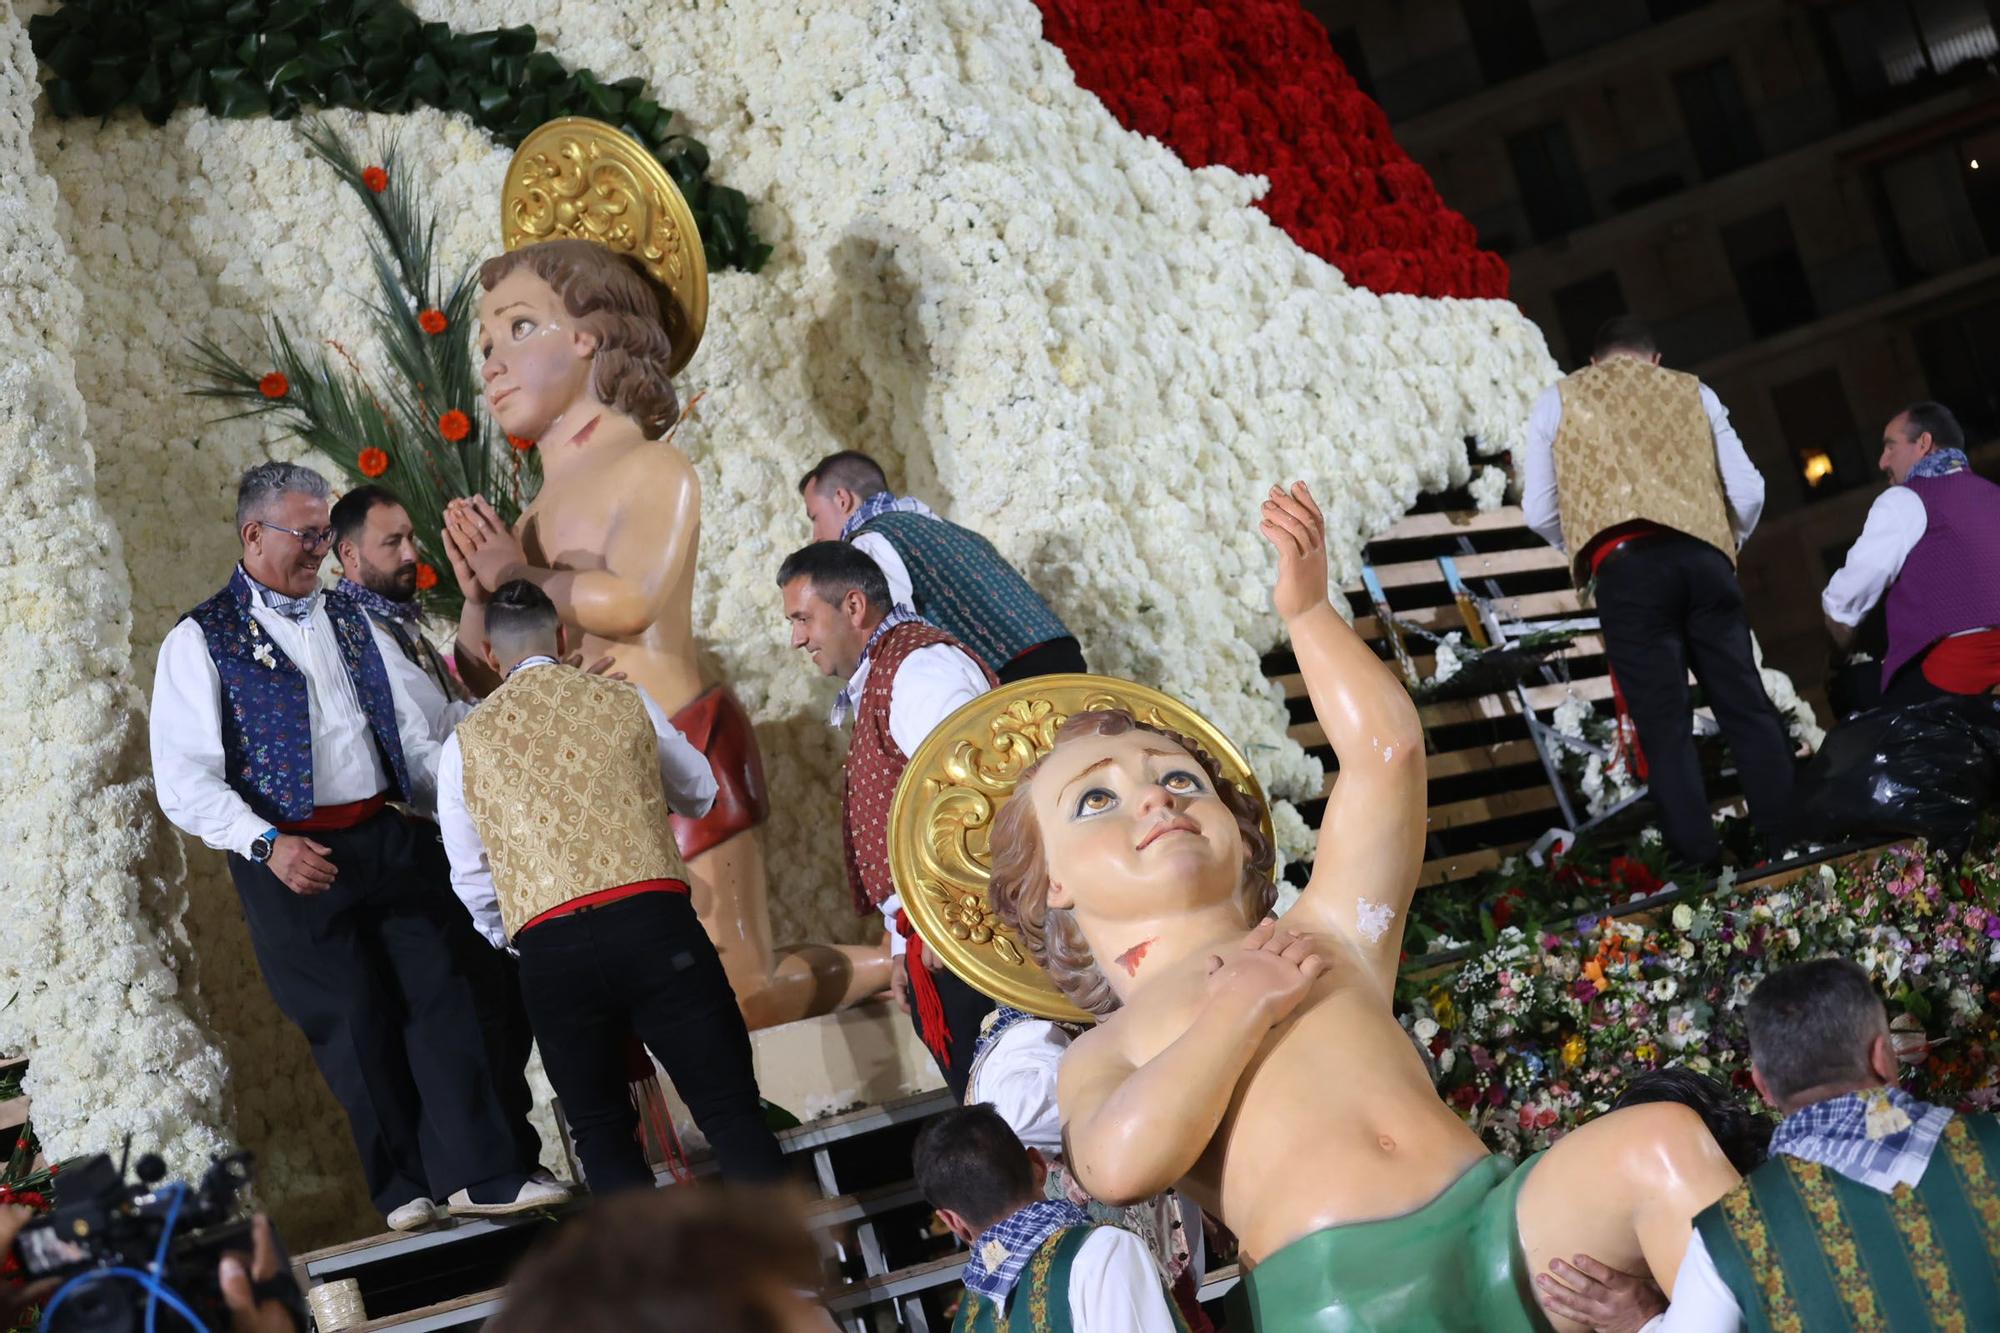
849	699
1880	1138
538	659
375	603
1940	463
292	608
1003	1249
878	504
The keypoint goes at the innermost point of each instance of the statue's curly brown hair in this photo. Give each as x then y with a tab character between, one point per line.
1018	885
612	296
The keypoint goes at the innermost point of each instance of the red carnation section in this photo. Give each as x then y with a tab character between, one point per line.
1255	85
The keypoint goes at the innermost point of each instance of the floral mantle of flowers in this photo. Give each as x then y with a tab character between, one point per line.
1255	85
1541	1031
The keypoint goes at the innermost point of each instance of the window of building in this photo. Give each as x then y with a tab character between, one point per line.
1718	120
1945	204
1553	192
1828	450
1504	37
1960	354
1882	47
1764	256
1581	307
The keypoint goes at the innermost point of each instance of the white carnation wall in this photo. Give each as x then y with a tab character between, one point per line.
1045	325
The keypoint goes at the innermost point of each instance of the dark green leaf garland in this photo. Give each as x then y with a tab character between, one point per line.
276	58
319	395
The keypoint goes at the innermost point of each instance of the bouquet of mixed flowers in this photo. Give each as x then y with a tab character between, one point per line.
1541	1031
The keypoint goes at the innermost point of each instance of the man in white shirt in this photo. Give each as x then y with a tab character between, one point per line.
554	798
375	545
1931	548
904	676
1027	1249
279	737
1635	472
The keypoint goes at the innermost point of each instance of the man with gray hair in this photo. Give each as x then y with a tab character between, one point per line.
1874	1210
279	737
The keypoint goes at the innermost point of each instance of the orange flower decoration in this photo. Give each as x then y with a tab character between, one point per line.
521	443
454	425
432	322
373	462
376	179
427	577
274	385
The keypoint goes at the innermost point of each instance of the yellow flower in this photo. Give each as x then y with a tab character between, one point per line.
1574	1050
1441	1008
1646	1052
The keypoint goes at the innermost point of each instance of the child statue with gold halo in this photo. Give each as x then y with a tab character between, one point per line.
1256	1064
598	301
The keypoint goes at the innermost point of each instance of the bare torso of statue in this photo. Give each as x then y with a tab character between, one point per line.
1257	1063
612	537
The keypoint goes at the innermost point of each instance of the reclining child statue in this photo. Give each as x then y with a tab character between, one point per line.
1256	1064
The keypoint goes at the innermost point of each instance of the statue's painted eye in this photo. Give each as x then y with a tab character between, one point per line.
521	324
1095	802
1182	783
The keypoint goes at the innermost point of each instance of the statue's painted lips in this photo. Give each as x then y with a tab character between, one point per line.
1177	824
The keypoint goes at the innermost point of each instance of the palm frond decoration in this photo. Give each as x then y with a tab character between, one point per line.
396	431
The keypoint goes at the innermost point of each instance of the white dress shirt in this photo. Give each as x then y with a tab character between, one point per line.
1703	1302
1017	1074
1896	522
1113	1287
932	684
684	770
877	548
186	726
1742	484
442	710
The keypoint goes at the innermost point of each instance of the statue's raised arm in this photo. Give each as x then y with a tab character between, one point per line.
1371	837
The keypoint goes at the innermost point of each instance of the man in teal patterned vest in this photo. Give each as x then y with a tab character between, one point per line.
1874	1210
949	575
1038	1265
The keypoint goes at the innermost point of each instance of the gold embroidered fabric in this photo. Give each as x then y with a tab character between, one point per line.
1635	445
562	780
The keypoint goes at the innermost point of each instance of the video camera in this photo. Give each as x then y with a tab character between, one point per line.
104	1236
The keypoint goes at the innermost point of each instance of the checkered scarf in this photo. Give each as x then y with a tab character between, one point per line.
1882	1137
1003	1249
882	502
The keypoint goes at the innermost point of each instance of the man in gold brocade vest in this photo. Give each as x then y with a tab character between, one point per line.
1636	473
554	795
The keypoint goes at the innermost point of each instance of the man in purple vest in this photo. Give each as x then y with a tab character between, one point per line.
279	738
1932	544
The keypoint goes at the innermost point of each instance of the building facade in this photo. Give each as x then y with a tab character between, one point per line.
1803	199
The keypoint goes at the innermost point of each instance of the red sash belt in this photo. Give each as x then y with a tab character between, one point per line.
931	1022
335	818
604	897
1965	663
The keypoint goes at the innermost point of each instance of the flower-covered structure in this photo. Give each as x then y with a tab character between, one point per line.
1093	346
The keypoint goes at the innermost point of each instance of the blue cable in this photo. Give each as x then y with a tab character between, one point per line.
160	1256
152	1284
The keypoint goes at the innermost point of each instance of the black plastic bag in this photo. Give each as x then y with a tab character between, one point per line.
1925	771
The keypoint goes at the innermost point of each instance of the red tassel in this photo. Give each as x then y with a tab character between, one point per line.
931	1024
657	1135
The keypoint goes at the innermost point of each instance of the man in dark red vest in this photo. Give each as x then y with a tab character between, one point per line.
904	676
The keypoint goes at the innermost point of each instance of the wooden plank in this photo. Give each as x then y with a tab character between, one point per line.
1483	809
1447	869
1478	759
14	1114
1586	645
1411	527
1444	617
1494	564
453	1313
1453	712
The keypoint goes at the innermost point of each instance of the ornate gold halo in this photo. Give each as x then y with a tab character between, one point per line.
942	819
580	178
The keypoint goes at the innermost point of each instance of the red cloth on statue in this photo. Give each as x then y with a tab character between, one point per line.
716	725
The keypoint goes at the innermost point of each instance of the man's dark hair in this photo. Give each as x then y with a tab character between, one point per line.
834	568
1623	333
520	615
849	470
350	512
719	1258
1743	1134
1811	1024
970	1161
1936	418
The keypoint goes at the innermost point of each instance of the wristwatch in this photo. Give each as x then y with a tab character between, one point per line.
261	849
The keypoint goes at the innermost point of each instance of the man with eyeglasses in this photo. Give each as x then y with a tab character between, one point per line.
279	737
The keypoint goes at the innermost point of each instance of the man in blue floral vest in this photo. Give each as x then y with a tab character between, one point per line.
949	575
1873	1211
279	738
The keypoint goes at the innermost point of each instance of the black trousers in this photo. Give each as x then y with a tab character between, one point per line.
964	1010
366	971
642	965
496	992
1045	659
1669	603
